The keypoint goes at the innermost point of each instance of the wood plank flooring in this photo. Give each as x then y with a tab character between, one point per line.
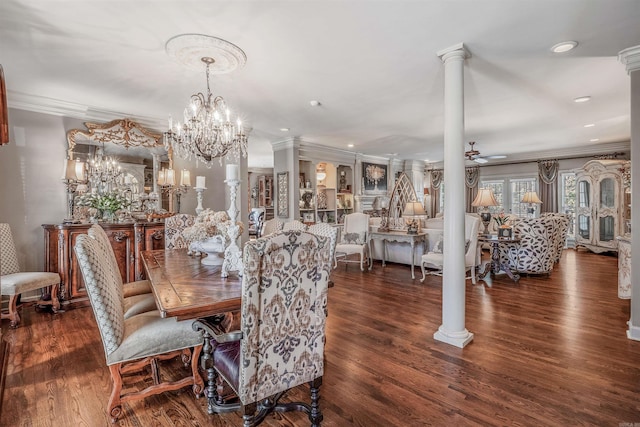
548	351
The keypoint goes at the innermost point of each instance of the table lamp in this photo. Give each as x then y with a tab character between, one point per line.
410	212
484	199
531	197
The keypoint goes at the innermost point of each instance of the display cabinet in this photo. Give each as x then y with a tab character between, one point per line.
128	240
601	204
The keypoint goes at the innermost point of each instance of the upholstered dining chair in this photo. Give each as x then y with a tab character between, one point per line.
354	239
137	296
294	225
435	258
14	282
271	226
280	344
130	345
256	218
173	228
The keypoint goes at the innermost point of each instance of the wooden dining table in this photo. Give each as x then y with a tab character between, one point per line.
185	288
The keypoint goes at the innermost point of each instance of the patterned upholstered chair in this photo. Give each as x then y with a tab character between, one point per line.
280	344
535	253
271	226
13	282
294	225
141	341
354	239
137	296
561	228
435	258
326	230
173	228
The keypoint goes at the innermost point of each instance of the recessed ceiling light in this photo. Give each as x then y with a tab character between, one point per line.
582	99
594	140
284	129
563	47
590	125
314	103
350	145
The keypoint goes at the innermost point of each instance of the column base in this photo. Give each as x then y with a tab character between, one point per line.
458	339
633	333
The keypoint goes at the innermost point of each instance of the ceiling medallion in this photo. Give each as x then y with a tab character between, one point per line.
189	49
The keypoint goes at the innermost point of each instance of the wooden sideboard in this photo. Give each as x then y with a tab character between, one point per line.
128	240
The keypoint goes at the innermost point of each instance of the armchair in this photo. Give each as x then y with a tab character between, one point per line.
535	253
130	345
14	282
256	218
271	226
435	258
355	239
285	273
173	228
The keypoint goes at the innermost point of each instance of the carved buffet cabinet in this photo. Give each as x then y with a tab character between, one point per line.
127	239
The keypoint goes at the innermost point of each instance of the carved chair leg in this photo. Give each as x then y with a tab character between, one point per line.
13	310
424	274
55	301
198	383
115	405
315	414
248	414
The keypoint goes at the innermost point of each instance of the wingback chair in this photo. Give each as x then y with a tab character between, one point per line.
14	282
271	226
294	225
354	239
137	296
435	258
280	344
561	228
141	341
173	228
535	253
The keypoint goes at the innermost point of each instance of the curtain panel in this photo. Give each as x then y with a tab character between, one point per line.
548	184
437	176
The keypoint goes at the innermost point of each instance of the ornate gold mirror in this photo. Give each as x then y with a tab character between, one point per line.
118	157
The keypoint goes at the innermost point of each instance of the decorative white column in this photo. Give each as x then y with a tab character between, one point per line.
453	331
631	59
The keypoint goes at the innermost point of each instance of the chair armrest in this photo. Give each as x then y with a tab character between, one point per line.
213	326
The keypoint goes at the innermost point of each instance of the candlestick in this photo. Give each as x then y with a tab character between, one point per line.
232	254
200	180
199	193
233	172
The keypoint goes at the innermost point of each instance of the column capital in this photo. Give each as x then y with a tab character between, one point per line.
456	51
630	57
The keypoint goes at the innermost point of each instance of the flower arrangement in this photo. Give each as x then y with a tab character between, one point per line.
501	219
107	202
208	224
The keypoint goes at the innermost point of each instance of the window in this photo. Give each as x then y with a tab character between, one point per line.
508	193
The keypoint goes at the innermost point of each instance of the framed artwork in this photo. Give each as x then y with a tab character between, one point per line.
283	194
308	217
374	177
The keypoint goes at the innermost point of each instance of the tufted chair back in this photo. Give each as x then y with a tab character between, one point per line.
8	257
173	228
104	290
294	225
326	230
271	226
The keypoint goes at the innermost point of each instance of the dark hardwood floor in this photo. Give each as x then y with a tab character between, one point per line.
548	351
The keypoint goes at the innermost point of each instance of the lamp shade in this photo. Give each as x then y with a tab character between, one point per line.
531	197
69	173
413	209
426	191
485	198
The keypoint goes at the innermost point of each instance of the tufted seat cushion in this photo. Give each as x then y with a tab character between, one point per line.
226	359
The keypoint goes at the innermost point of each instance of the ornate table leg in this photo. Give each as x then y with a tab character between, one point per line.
413	255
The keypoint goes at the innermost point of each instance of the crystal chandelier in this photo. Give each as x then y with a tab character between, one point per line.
208	131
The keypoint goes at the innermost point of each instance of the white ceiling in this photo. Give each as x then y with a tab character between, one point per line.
371	64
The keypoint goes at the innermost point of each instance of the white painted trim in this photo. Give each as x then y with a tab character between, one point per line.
633	333
630	57
460	339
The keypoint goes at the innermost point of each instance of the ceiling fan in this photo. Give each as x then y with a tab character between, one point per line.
474	155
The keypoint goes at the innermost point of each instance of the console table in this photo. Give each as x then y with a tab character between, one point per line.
497	266
128	240
397	236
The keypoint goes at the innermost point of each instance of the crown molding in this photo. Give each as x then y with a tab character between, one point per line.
630	57
56	107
